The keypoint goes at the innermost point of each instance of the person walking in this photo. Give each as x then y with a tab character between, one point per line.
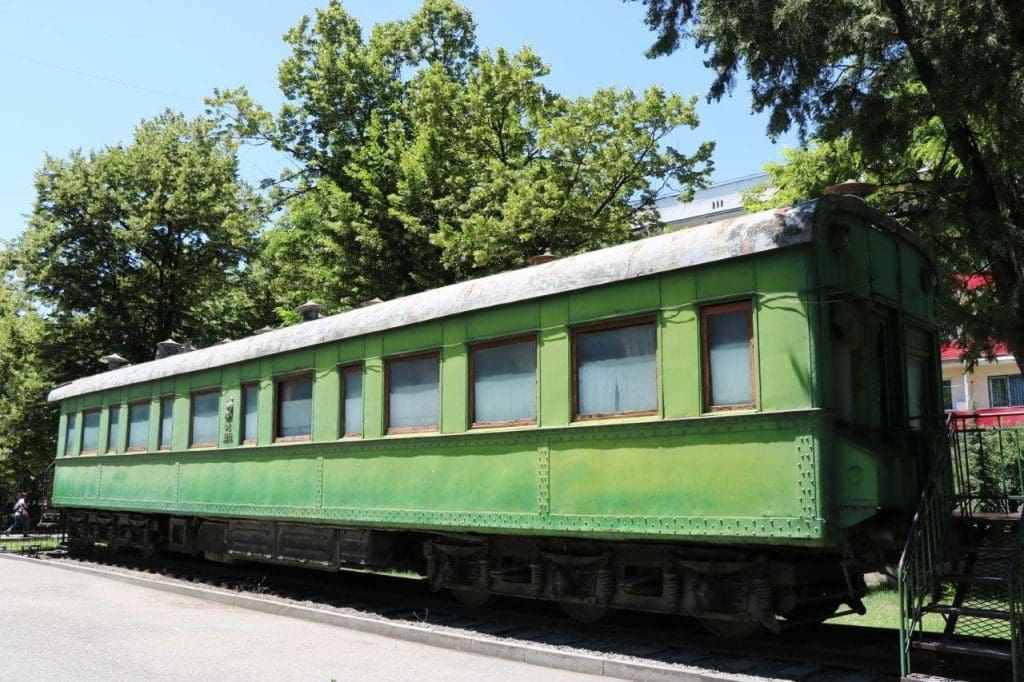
20	516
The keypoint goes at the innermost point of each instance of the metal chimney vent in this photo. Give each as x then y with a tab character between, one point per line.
114	361
372	301
167	348
310	310
545	257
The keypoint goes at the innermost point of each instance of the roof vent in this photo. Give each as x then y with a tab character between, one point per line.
263	330
167	348
857	188
545	257
114	361
372	301
310	310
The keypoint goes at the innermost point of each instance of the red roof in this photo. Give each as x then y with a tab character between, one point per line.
951	350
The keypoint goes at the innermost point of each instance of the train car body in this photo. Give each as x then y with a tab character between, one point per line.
720	421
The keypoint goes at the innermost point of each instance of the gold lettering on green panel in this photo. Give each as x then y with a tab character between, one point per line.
454	377
230	414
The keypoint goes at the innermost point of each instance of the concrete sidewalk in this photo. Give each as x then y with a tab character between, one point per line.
63	625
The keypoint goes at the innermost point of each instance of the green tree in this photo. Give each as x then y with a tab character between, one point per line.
423	159
27	422
927	98
135	243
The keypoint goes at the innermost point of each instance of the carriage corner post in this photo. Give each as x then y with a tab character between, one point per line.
730	422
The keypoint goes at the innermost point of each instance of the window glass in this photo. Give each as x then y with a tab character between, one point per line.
138	426
352	402
616	371
728	338
505	383
114	428
947	395
91	431
1006	391
413	391
205	413
250	408
166	422
69	436
295	407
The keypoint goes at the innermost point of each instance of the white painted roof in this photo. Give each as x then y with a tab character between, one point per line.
744	235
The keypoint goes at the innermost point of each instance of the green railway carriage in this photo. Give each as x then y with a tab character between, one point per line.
720	422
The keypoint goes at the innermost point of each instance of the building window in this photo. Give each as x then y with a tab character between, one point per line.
90	432
294	408
413	393
205	419
504	376
166	422
250	410
727	335
1006	391
69	435
138	426
352	400
114	428
947	395
616	369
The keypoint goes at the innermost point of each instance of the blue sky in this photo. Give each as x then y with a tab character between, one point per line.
82	75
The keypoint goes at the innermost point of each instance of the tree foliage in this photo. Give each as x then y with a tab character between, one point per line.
135	243
926	98
423	159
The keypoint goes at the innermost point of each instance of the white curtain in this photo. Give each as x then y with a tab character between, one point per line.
616	370
729	353
296	402
114	428
353	405
250	405
138	425
413	400
205	424
505	383
90	431
166	421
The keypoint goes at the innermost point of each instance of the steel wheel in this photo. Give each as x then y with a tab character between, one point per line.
584	613
471	598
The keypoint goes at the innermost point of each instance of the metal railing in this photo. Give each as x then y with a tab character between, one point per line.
988	458
1016	599
923	560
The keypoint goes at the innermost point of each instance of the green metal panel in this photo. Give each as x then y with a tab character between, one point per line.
373	385
726	280
625	298
326	394
411	339
554	364
454	378
884	266
265	409
508	321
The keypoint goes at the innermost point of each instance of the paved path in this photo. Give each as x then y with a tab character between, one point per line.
62	625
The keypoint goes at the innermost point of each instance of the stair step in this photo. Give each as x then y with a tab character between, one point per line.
976	549
964	649
965	612
986	580
921	677
988	517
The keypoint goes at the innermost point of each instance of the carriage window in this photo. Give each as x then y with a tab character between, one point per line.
505	382
138	426
1006	391
69	436
295	408
90	431
250	407
114	428
728	338
166	422
352	400
615	370
205	413
413	393
947	394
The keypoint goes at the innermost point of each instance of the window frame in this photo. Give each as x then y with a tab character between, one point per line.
471	387
947	384
634	321
192	416
283	378
343	371
391	430
706	311
160	424
247	438
1009	395
112	448
149	424
81	443
71	438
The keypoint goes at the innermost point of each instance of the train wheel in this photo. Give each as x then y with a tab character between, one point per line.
584	613
471	598
730	629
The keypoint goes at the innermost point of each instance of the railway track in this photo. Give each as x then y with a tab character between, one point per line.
824	653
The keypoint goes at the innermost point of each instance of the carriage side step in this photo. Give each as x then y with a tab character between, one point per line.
963	648
964	612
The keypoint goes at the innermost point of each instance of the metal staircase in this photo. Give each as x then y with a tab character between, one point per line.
964	556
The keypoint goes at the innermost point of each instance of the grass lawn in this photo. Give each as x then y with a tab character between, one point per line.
15	543
883	606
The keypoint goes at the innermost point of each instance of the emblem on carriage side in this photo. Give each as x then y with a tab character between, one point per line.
229	419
